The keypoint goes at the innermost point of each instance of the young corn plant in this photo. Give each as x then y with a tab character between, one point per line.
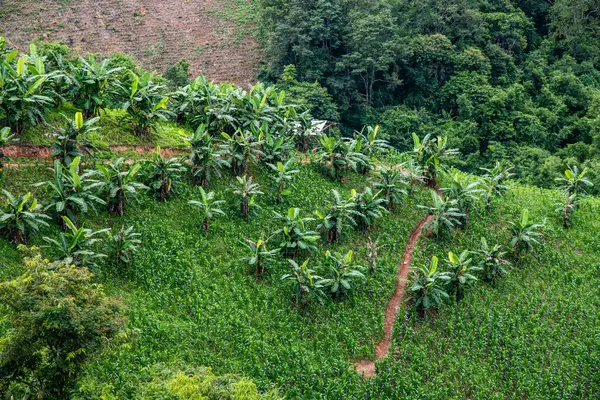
428	290
492	261
342	212
343	273
446	216
283	176
162	175
119	184
71	193
462	273
525	234
259	256
21	216
122	245
247	191
67	144
307	286
76	246
209	207
293	236
392	185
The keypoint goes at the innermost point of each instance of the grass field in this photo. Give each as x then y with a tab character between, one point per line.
191	301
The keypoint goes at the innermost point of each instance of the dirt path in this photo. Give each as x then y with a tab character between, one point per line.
44	152
367	367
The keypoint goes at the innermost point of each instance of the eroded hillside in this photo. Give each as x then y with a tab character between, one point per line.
157	33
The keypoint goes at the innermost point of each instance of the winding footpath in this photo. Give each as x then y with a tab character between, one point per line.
366	367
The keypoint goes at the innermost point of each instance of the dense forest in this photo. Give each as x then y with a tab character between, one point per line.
513	81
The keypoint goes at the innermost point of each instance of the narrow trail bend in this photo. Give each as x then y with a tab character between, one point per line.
367	367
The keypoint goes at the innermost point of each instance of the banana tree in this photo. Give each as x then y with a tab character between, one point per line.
343	272
370	206
206	162
26	91
247	191
446	216
6	137
461	273
430	153
574	181
67	144
283	175
122	245
495	181
391	183
465	194
526	234
21	216
119	184
208	206
567	207
294	236
238	149
77	246
91	85
161	174
341	212
146	105
428	289
306	284
259	256
72	193
492	261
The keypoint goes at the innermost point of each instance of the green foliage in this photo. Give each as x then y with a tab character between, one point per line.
430	153
238	149
340	213
566	208
259	256
178	75
206	161
92	84
495	181
283	176
77	245
391	182
21	216
5	137
209	207
119	184
370	207
574	181
464	194
58	319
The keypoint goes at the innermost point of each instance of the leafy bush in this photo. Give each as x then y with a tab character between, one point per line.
58	318
178	75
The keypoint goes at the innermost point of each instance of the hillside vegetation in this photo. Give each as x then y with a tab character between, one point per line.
163	237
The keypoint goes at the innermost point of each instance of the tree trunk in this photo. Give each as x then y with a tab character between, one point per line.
205	225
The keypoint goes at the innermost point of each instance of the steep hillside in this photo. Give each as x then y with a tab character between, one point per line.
157	33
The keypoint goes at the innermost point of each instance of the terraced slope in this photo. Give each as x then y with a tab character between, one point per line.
157	33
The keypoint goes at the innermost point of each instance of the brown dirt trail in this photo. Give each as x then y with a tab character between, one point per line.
367	367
